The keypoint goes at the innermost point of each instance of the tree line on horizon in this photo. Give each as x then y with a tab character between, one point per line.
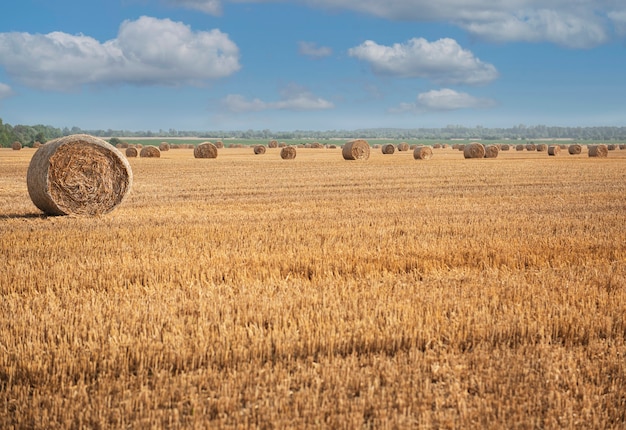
27	135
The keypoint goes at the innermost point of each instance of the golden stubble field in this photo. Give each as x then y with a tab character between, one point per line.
251	291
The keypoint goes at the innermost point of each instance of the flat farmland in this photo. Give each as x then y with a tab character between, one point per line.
251	291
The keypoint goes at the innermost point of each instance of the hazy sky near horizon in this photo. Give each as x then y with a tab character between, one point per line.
312	64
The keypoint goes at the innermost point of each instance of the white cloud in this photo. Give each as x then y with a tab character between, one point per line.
575	24
147	51
618	18
5	91
443	100
293	97
310	49
442	61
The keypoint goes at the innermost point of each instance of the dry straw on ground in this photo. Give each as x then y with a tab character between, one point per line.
554	150
150	152
600	151
388	148
492	151
423	153
575	149
357	149
78	174
131	152
288	152
205	150
259	149
474	150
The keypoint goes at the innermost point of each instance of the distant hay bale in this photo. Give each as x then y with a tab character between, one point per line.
78	174
332	146
259	149
612	147
317	145
272	144
554	150
282	144
205	150
505	147
437	146
388	148
150	152
131	152
357	149
219	144
519	147
423	153
16	146
403	146
474	150
531	147
622	146
164	146
600	151
461	147
542	147
492	151
36	144
575	149
138	146
288	152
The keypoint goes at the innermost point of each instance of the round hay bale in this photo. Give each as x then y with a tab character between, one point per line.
543	147
461	147
205	150
78	174
272	144
531	147
16	146
574	149
505	147
259	149
288	152
492	151
138	146
519	147
164	146
403	146
131	152
317	145
423	153
219	144
150	152
388	148
554	150
611	147
436	146
37	144
474	150
357	149
600	151
622	146
282	144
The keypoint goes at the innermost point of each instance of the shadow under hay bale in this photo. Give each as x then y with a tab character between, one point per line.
205	150
78	174
288	152
423	153
131	152
600	151
357	149
474	150
259	149
150	152
388	149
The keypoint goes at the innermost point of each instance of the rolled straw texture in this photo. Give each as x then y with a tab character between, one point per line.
288	152
164	146
575	149
357	149
205	150
403	146
16	146
78	174
259	149
600	151
474	150
423	153
273	144
554	150
491	151
150	152
131	152
388	148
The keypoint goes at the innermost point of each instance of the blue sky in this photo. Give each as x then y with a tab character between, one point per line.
312	64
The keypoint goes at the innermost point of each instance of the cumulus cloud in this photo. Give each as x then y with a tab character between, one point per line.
575	24
442	61
618	18
293	97
147	51
310	49
444	99
5	91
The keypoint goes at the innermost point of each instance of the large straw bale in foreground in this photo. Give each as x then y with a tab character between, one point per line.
205	150
78	174
600	151
288	152
357	149
423	153
474	150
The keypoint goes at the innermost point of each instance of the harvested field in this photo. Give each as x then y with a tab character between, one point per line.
312	293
